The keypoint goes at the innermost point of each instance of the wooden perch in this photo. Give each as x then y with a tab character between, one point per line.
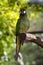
32	38
19	59
28	37
35	39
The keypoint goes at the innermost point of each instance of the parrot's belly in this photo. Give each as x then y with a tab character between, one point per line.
24	26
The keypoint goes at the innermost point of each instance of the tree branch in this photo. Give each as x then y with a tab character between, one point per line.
28	38
19	59
35	39
32	38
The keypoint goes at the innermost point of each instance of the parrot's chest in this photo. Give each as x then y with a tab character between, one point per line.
22	25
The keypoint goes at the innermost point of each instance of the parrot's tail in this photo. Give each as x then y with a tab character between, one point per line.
19	41
18	45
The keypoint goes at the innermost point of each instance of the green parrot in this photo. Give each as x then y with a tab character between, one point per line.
21	27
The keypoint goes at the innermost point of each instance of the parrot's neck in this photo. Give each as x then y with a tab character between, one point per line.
23	17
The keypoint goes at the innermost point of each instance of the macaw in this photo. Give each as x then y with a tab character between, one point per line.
22	26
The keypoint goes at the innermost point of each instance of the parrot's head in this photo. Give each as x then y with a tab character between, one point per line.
22	12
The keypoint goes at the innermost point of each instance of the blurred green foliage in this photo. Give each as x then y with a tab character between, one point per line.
9	15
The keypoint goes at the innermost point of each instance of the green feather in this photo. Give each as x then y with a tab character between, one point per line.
22	24
21	27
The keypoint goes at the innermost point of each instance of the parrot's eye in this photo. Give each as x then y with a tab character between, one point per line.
22	12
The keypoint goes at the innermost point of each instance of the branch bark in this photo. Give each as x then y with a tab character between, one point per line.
19	59
28	38
32	38
35	39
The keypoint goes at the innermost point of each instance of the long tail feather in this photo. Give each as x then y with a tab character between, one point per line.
18	44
